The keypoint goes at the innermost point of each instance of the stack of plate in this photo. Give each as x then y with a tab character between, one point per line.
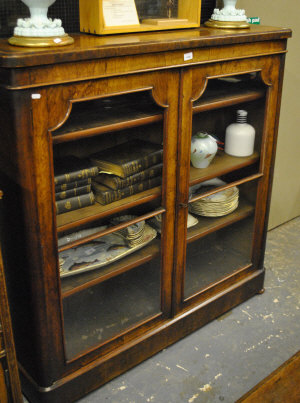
217	204
133	234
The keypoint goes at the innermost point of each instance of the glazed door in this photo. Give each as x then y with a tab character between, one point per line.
113	224
223	203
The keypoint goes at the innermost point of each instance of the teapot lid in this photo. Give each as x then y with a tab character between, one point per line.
204	135
201	135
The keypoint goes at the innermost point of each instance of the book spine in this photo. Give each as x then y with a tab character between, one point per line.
72	185
116	183
74	203
108	196
139	165
75	176
73	192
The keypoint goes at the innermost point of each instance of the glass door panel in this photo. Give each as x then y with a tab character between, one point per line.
222	196
219	240
99	313
111	283
217	255
222	193
109	227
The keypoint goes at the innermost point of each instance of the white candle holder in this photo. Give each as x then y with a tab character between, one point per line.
228	17
39	30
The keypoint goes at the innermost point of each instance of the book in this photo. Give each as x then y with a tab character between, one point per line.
74	203
116	182
73	192
105	195
128	158
71	169
72	185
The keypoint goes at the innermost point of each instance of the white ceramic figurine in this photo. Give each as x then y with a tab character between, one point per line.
228	17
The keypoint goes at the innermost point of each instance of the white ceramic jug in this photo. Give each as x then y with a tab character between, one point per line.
203	149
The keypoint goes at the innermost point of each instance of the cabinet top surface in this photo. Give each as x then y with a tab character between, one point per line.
88	47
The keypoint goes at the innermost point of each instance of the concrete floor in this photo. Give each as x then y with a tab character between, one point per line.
224	359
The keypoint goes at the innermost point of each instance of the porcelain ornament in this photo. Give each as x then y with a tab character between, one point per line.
39	25
203	149
229	12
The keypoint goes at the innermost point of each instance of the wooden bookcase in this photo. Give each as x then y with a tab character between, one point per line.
75	333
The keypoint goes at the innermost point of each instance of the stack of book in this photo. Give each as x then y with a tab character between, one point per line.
127	169
73	183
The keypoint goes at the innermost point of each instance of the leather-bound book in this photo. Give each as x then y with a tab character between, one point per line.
116	182
72	185
105	195
66	194
128	158
71	169
74	203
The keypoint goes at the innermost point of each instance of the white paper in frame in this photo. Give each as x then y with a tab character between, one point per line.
120	13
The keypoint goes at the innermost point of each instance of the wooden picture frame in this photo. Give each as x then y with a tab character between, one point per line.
92	19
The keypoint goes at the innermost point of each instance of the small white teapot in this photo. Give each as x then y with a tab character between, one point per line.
203	149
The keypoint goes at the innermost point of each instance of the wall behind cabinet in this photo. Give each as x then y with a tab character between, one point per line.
285	204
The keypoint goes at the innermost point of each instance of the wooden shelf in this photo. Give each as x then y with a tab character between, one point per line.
207	225
220	94
90	214
116	123
77	283
221	165
92	118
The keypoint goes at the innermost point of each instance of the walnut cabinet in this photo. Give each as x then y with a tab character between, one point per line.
75	332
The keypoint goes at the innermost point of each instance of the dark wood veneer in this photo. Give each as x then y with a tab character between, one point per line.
281	385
